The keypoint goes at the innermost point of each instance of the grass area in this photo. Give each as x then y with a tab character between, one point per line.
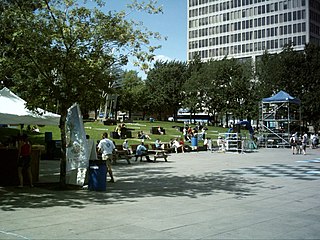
95	130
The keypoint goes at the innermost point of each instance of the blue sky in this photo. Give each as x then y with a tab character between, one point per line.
172	23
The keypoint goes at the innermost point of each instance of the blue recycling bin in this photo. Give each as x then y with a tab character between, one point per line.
194	141
97	176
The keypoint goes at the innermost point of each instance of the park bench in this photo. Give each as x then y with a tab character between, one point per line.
122	154
159	153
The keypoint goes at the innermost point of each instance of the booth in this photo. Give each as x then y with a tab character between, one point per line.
13	111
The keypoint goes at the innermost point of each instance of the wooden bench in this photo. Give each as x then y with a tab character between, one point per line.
122	154
160	154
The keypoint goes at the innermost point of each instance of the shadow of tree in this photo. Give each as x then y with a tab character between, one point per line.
136	182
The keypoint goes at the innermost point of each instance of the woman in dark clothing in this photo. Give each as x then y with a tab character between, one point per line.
24	159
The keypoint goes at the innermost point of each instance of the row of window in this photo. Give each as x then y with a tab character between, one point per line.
248	24
267	8
259	21
248	36
249	47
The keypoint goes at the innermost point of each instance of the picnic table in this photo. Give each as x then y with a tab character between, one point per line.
160	153
120	153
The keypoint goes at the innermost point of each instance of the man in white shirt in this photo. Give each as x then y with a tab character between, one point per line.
107	147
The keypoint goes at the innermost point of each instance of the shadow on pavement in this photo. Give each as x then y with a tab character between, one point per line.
136	182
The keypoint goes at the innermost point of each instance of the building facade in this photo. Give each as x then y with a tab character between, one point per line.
246	28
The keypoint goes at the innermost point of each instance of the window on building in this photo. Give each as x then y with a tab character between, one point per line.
272	19
294	41
272	32
299	40
281	30
294	28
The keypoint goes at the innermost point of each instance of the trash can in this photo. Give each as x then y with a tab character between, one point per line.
151	119
97	176
194	142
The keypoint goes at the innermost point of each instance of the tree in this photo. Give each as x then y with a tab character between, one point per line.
193	88
132	88
64	52
164	85
311	94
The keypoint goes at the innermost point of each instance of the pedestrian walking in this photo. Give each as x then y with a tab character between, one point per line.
107	148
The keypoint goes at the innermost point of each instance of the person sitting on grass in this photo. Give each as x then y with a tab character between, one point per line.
142	135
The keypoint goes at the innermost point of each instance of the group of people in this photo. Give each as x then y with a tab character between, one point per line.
107	149
121	130
299	143
198	131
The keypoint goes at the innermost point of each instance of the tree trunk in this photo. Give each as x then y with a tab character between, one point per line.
63	160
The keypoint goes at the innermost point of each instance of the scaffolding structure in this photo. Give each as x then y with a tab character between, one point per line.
280	116
236	142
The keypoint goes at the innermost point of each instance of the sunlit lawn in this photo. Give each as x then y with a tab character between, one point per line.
95	130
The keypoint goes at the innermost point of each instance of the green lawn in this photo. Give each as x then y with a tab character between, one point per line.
95	130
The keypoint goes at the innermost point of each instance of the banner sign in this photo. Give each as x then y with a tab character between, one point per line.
77	145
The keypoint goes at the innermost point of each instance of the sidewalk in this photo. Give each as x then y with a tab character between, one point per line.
270	194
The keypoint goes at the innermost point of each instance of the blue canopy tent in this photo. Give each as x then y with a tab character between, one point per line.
278	114
282	97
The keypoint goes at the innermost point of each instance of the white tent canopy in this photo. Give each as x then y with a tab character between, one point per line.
13	111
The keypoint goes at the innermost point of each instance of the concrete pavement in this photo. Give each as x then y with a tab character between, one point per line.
269	194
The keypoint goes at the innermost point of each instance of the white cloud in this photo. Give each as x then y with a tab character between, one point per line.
162	58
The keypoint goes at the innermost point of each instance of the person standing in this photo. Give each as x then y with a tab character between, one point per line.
24	159
304	143
107	147
293	144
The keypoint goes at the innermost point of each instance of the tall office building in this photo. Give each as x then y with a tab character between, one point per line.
246	28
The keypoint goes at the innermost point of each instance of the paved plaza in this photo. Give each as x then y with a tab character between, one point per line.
269	194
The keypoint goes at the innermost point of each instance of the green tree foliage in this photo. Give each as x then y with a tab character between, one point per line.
131	92
61	52
193	88
164	87
296	73
310	96
221	87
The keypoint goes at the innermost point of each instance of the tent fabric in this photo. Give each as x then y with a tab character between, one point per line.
13	111
280	97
